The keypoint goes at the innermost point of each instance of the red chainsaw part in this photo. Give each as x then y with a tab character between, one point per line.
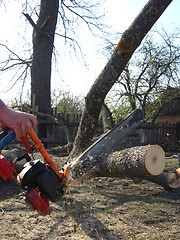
26	144
6	170
37	202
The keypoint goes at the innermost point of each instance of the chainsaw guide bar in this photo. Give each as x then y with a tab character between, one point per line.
109	141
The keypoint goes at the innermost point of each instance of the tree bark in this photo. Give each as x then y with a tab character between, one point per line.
132	162
106	118
128	43
43	41
137	163
169	180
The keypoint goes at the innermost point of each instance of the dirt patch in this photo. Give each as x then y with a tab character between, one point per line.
103	208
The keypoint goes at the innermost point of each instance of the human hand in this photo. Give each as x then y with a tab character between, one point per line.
20	122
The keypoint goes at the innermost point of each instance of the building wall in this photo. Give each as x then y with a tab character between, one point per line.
172	119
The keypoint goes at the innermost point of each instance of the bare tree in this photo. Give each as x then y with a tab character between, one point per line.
67	17
129	42
17	66
153	68
55	18
44	32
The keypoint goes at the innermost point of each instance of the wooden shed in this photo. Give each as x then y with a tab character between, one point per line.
168	120
170	112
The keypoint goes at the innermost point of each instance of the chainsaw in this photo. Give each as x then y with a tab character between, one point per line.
41	181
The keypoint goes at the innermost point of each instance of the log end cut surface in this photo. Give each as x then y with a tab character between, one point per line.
155	160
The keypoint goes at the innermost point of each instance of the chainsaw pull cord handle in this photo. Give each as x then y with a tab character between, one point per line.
39	146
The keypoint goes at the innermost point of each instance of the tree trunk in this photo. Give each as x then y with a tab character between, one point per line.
138	163
168	180
128	43
43	41
106	118
132	162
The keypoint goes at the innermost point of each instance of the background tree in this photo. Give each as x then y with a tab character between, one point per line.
43	41
61	20
67	103
54	18
152	69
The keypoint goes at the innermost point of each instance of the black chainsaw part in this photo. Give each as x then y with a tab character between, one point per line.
24	156
50	185
30	172
38	175
111	140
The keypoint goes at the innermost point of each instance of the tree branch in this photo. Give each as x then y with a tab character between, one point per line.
30	21
128	43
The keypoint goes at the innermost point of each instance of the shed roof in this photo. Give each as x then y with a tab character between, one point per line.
171	107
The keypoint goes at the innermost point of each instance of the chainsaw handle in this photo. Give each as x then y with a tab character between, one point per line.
4	133
26	144
39	146
7	139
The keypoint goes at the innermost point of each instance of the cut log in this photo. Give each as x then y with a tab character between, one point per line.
168	180
140	161
154	160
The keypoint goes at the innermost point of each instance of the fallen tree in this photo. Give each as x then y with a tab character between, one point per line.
141	162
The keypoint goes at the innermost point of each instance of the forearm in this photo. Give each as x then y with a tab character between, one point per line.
3	107
20	122
3	112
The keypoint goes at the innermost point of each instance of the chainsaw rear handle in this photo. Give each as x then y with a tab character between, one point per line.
7	139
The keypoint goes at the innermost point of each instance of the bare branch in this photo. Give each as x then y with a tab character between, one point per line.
30	20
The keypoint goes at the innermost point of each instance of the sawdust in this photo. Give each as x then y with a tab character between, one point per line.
102	208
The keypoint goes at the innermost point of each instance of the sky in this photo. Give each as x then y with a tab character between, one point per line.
72	75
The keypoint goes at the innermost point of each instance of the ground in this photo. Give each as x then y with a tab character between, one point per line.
102	208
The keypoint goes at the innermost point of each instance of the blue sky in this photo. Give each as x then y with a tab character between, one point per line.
73	76
119	14
124	11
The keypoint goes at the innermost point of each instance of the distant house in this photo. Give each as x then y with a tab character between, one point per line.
164	130
170	112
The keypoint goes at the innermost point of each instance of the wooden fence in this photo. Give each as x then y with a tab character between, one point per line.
165	135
